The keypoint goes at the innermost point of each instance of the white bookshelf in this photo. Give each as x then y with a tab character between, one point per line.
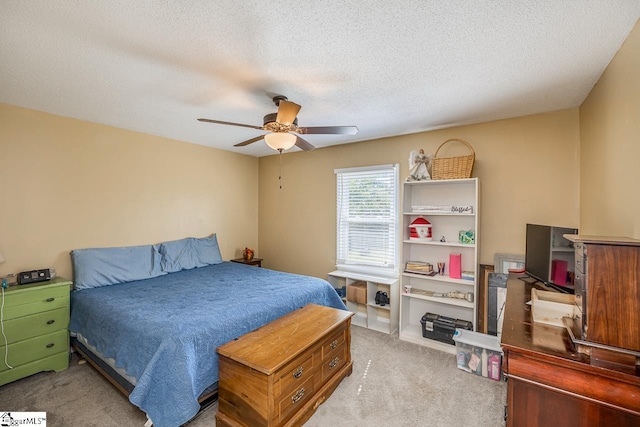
456	192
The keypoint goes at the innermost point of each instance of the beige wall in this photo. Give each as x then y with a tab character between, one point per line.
610	147
528	169
67	184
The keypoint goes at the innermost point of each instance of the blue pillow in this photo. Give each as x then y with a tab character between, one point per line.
188	253
97	267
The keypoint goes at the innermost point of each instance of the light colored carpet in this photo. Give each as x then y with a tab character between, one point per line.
394	383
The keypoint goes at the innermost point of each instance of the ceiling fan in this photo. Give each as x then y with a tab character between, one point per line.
283	125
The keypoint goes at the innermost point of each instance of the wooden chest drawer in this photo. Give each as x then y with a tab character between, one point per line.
334	362
294	374
278	374
336	341
296	398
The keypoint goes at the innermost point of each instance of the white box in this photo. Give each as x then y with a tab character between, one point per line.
478	353
550	307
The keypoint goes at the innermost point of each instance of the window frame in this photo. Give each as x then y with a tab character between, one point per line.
342	261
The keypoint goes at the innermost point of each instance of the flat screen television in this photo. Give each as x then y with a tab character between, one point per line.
549	257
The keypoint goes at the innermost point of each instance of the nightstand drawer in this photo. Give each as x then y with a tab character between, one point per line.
33	349
26	327
35	301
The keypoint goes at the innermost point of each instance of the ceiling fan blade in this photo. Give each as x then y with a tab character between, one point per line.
336	130
249	141
304	145
230	123
287	112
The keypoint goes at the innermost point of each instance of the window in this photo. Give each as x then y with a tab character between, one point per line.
367	200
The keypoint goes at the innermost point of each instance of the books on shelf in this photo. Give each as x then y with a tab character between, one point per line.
466	209
419	267
468	275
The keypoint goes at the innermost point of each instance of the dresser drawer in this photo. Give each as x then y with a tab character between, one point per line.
294	374
36	301
296	398
25	327
33	349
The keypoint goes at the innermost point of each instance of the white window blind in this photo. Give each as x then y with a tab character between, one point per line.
367	200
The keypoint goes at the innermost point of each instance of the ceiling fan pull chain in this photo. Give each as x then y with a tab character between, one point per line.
280	172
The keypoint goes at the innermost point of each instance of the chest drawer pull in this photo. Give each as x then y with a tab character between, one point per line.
298	395
298	372
334	344
51	322
50	299
50	345
334	362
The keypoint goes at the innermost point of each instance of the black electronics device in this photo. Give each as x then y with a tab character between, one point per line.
548	250
441	328
34	276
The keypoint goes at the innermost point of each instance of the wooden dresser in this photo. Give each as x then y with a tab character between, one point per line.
607	285
35	320
551	384
280	373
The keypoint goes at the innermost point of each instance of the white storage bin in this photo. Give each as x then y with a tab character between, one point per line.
478	353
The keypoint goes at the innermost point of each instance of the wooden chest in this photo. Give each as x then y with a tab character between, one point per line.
280	373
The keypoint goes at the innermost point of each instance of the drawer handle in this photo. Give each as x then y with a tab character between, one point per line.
50	345
298	372
50	299
50	322
334	344
298	395
334	362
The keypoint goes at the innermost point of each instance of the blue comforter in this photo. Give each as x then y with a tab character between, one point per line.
164	331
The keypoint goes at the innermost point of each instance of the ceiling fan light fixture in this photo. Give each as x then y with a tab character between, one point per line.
280	140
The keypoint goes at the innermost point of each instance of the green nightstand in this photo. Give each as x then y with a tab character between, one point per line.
36	322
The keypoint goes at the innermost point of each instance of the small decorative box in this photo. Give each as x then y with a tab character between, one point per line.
466	236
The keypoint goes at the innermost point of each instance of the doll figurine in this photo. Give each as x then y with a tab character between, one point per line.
419	164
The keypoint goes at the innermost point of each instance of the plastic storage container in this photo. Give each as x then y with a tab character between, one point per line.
478	353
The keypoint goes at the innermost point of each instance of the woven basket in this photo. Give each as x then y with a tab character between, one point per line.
452	167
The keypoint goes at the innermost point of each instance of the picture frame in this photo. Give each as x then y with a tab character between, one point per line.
483	297
502	263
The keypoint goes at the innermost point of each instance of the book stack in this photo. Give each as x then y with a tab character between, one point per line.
419	267
468	275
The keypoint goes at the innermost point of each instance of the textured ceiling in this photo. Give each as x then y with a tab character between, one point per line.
389	67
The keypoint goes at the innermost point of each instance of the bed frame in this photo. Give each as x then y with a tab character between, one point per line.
206	399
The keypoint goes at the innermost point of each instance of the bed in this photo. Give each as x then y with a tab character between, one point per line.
158	335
